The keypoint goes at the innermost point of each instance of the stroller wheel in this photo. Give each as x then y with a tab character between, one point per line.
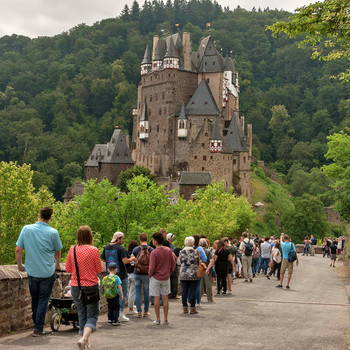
55	322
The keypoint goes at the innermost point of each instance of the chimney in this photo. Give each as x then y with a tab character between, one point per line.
155	42
187	50
250	138
242	123
127	139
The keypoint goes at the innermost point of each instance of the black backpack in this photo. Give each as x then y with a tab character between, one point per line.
248	248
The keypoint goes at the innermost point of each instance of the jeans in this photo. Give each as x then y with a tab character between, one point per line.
113	309
264	264
88	314
255	264
40	291
188	292
125	292
198	292
142	280
131	290
306	250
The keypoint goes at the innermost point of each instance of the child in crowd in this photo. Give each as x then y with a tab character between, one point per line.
112	291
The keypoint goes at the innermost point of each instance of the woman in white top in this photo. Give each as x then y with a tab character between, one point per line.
276	259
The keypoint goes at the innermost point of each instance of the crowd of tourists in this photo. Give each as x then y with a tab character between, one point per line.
148	270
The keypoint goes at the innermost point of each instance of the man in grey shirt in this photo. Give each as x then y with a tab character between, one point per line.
246	247
265	249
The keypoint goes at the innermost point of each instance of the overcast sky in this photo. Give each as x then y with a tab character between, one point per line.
35	18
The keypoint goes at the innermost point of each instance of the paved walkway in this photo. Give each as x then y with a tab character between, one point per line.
314	314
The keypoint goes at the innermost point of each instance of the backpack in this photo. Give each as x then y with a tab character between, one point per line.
142	261
292	255
112	256
248	248
109	289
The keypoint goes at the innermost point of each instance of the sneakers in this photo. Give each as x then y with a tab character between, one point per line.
166	322
229	292
156	323
40	333
146	314
210	300
279	286
116	323
139	315
132	311
123	318
250	280
287	287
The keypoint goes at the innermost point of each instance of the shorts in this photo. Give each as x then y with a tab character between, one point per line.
334	257
230	269
287	265
157	287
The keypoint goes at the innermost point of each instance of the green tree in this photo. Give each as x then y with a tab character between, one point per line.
130	173
339	170
325	27
19	205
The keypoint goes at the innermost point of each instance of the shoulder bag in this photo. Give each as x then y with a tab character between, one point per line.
201	268
88	294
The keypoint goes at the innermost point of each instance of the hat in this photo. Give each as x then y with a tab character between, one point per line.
117	235
112	265
169	236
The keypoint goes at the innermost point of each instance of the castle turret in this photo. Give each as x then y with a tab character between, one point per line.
146	64
144	124
159	55
215	138
171	58
182	123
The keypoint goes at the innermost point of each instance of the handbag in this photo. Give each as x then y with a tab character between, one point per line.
87	294
201	268
292	255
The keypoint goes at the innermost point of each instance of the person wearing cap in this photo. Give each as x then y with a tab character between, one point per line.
115	252
170	238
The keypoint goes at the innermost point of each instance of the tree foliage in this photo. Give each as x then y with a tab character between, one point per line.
324	26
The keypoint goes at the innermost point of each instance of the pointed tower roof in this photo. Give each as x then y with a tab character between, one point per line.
208	58
160	50
117	149
229	65
202	101
183	112
144	115
215	134
234	139
171	51
147	59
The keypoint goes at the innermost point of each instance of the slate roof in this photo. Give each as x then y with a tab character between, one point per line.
202	101
115	152
215	134
208	58
160	50
195	178
183	112
147	59
229	65
171	51
144	115
176	39
234	140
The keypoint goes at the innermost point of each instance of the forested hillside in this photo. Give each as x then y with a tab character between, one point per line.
60	95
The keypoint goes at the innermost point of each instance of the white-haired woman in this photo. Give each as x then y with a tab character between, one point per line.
188	275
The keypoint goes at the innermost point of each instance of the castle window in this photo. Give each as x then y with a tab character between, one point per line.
208	80
164	110
156	97
150	98
160	111
205	63
171	130
164	131
206	134
150	128
244	175
139	105
158	129
234	162
149	112
195	157
163	95
204	157
203	168
243	159
202	144
211	157
169	75
151	78
213	63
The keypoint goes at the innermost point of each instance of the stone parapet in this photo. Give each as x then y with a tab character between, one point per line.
15	301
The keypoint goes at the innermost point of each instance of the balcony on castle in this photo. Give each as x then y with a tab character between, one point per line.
182	133
144	136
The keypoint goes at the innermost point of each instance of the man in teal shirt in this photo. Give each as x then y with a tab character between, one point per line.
43	246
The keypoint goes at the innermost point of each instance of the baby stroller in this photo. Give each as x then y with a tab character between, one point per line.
65	309
65	313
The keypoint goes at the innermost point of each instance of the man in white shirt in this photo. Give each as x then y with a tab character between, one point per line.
265	249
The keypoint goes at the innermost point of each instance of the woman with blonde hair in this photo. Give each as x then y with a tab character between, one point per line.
84	262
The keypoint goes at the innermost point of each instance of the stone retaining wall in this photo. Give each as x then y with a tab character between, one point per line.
15	300
300	248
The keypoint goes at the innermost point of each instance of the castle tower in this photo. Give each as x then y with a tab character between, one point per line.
182	123
215	139
171	59
144	124
146	64
159	55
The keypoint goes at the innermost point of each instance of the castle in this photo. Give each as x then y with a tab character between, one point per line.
186	121
187	113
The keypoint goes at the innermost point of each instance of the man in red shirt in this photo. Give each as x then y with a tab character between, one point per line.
161	265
